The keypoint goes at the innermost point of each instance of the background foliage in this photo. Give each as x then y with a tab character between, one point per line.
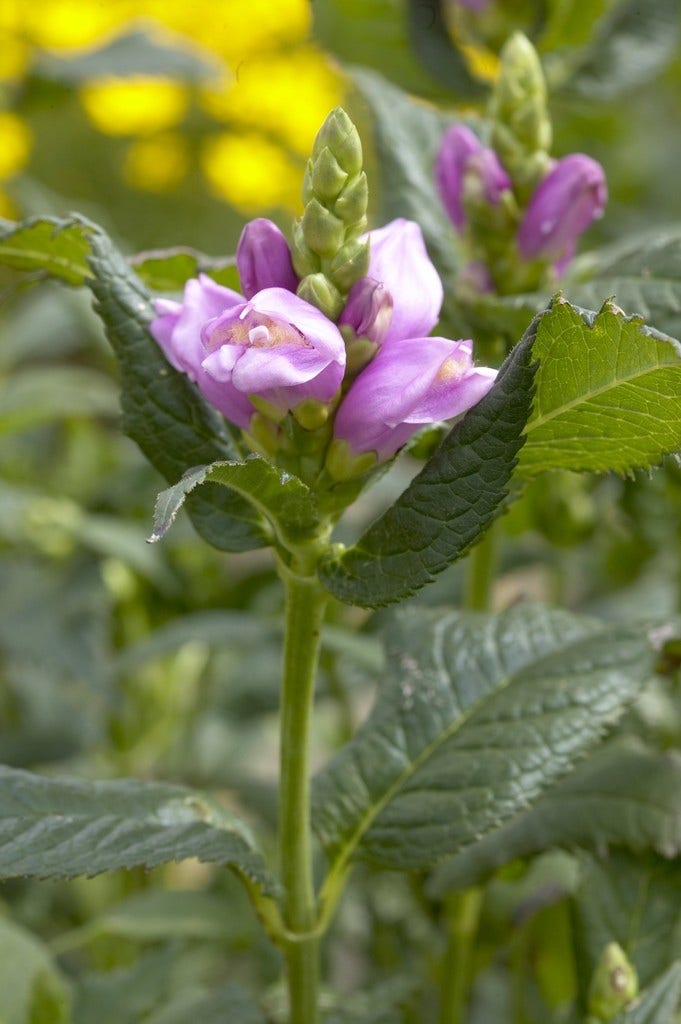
170	124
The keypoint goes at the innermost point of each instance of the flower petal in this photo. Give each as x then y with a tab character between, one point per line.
263	258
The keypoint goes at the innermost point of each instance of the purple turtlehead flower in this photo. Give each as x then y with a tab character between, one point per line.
263	258
409	383
398	261
275	347
564	204
463	157
368	310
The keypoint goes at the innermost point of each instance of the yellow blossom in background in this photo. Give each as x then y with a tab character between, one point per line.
251	172
482	63
15	144
134	106
157	164
70	24
287	95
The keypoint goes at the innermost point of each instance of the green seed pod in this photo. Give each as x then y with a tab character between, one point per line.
322	293
614	984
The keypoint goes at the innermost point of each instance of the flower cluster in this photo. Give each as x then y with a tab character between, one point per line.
367	382
567	199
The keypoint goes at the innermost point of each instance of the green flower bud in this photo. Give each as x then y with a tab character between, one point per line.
614	984
305	261
349	264
351	205
322	293
520	120
327	177
340	136
311	414
323	232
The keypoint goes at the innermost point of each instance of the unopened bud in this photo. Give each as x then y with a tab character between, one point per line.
340	136
323	232
320	292
351	205
350	263
311	414
614	984
327	177
520	121
305	261
369	310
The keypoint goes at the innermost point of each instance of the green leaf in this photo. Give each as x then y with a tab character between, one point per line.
608	393
407	135
61	828
229	1002
39	394
375	36
451	502
162	411
476	716
643	273
630	46
283	499
47	245
132	53
28	979
659	1002
623	795
434	47
167	270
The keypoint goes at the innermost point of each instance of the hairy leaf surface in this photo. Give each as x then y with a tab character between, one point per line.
476	716
61	828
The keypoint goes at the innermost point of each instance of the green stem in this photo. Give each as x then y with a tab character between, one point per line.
480	572
462	912
305	603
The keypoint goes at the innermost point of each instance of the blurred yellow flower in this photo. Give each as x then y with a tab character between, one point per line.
251	172
15	144
482	63
138	105
157	164
65	24
286	94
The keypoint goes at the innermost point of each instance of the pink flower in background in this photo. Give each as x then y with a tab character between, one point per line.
461	154
564	204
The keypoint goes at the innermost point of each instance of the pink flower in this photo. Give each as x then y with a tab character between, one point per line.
263	258
410	383
564	204
275	346
463	160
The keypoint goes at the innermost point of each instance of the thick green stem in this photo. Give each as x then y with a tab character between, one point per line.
480	572
305	602
462	912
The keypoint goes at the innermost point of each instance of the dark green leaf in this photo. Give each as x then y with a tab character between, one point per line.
476	716
643	273
622	795
629	47
438	54
659	1002
375	36
608	393
134	53
47	245
635	902
28	979
407	136
286	502
451	502
167	270
162	410
61	828
229	1003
